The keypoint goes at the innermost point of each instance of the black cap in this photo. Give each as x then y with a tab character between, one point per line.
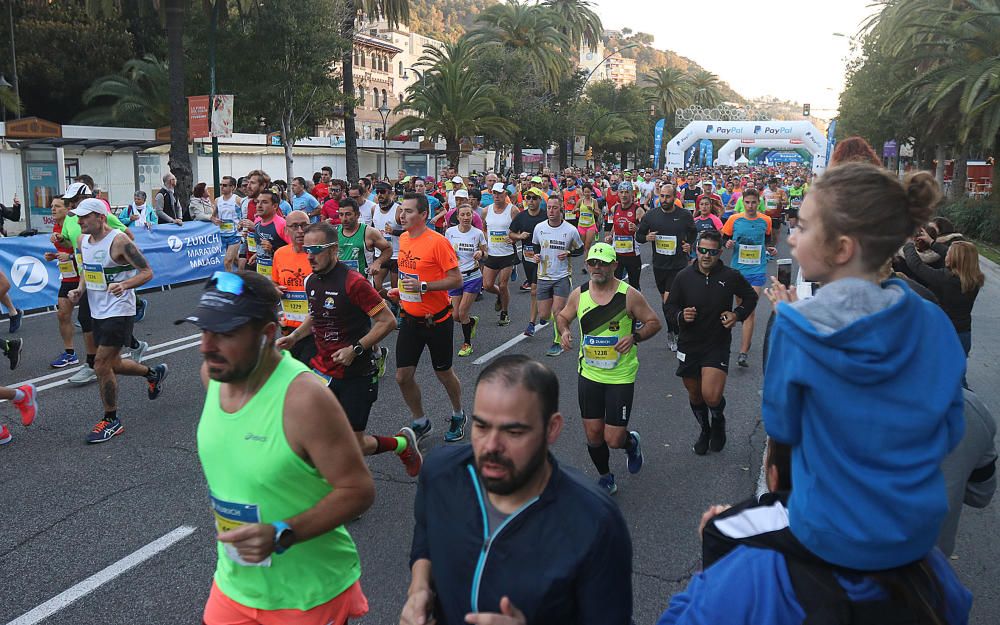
382	185
218	311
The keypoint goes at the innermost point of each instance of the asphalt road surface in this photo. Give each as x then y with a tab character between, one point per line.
69	512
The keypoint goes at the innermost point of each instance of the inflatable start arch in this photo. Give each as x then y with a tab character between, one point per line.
810	137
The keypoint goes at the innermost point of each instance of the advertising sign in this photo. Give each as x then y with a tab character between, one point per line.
198	117
43	185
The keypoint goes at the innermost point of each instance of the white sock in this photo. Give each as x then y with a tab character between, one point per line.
458	414
19	395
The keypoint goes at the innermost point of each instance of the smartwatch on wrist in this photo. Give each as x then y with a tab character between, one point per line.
284	537
359	349
423	287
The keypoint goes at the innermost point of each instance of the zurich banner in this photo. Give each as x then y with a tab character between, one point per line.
657	141
176	253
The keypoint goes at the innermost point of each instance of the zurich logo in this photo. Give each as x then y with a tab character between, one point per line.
175	243
29	274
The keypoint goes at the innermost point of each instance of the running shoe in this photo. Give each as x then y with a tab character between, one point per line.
5	436
422	431
607	483
64	360
13	352
525	286
466	350
504	319
497	306
530	330
27	406
741	360
554	350
105	430
672	341
635	454
15	321
159	373
383	355
85	375
140	310
411	457
456	431
138	353
475	324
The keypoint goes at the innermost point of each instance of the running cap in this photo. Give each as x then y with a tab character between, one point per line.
537	179
75	189
457	180
602	251
227	304
708	182
383	186
626	185
406	179
534	191
90	205
498	186
461	193
523	174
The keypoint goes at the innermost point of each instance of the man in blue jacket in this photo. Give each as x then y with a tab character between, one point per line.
503	532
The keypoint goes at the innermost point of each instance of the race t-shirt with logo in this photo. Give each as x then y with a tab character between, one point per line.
272	231
571	197
771	200
68	269
466	244
353	250
624	227
290	270
526	222
341	304
795	196
551	242
426	258
749	242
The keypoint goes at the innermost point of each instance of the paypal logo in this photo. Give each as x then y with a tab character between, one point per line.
780	130
709	128
756	130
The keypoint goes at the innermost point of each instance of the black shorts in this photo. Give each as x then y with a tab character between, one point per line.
611	402
83	315
664	279
500	262
694	362
113	331
414	336
392	265
357	396
66	287
530	272
792	213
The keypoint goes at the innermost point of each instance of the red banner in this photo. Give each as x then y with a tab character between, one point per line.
198	117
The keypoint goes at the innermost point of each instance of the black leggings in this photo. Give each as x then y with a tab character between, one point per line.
632	264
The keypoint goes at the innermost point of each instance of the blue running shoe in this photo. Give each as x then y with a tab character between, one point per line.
530	330
105	430
634	454
65	360
140	309
456	431
155	380
555	350
607	483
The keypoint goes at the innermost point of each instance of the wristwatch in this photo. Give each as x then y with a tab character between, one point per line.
284	537
423	287
359	349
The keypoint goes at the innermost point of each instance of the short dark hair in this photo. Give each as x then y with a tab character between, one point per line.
317	176
355	187
327	168
300	180
199	190
85	179
350	203
274	196
329	230
529	374
423	206
230	179
751	193
779	456
710	235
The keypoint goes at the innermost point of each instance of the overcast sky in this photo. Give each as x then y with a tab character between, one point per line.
783	48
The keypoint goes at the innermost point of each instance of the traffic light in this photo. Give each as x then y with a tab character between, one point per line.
590	154
805	110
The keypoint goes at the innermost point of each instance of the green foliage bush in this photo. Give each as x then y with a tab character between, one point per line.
975	219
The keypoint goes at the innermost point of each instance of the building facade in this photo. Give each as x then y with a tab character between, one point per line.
617	68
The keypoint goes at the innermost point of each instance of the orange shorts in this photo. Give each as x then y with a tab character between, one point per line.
221	610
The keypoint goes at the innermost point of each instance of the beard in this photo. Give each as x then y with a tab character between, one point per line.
225	372
516	480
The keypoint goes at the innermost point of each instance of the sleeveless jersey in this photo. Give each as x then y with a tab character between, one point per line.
497	229
795	197
254	477
380	219
623	238
68	270
352	249
99	271
600	329
588	213
230	214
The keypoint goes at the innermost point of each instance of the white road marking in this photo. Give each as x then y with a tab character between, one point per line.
499	350
644	265
102	577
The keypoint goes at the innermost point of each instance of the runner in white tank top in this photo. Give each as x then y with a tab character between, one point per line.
500	258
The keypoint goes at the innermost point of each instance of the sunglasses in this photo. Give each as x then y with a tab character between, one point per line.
594	262
709	251
317	249
382	192
226	282
296	226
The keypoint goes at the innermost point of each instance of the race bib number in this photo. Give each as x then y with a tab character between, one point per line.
750	254
227	227
229	516
599	351
264	266
322	376
67	269
294	306
252	244
624	244
665	245
771	204
796	202
352	264
529	253
586	219
409	296
94	276
689	205
681	356
498	237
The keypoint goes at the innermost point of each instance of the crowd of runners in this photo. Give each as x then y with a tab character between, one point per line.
320	272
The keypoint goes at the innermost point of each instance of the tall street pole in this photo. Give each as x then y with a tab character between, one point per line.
213	22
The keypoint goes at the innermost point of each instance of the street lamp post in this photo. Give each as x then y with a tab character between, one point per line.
572	141
4	85
383	112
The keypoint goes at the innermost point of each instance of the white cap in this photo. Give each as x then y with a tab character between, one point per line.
498	186
90	205
76	189
457	180
523	174
461	193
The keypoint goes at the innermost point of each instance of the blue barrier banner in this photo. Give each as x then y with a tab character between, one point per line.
657	142
176	254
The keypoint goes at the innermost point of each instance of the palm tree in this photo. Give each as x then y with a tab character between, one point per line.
452	102
668	89
705	88
394	12
139	95
529	30
577	21
609	132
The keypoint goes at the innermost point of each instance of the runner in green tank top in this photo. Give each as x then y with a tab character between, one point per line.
356	239
282	466
612	317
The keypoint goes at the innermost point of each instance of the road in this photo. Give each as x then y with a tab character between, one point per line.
68	510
